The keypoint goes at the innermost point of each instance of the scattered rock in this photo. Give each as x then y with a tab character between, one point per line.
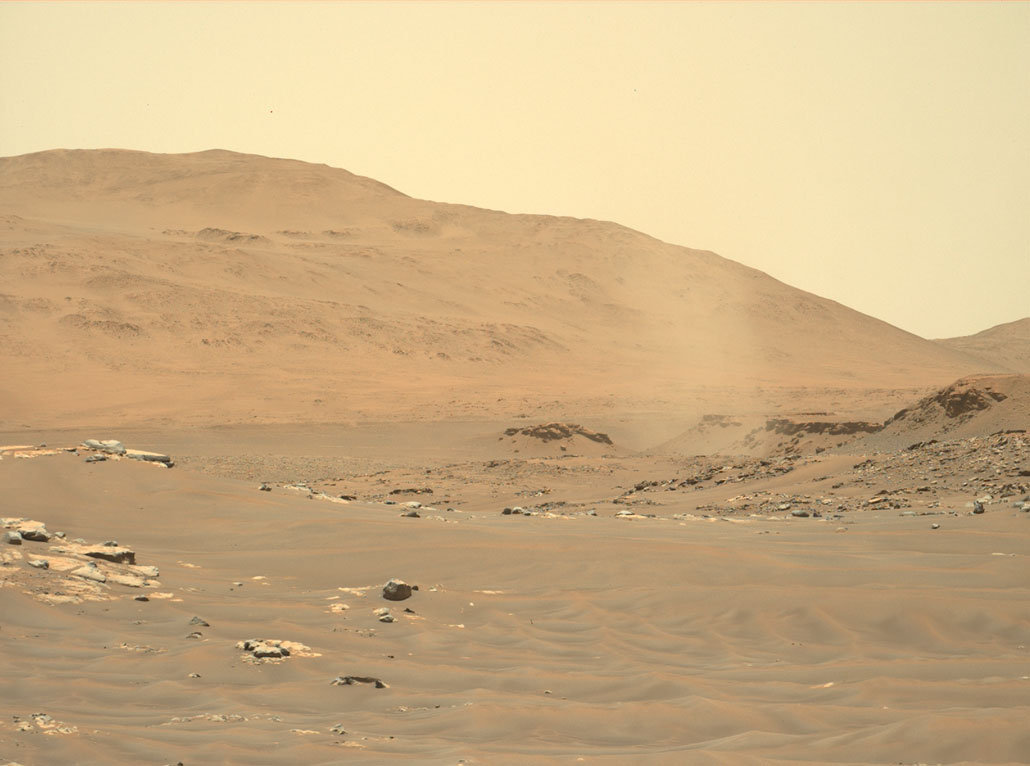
352	680
264	648
89	572
37	534
396	590
111	553
111	446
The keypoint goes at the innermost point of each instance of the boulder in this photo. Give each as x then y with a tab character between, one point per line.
37	534
396	590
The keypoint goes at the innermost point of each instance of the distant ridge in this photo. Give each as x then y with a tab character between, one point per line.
1005	345
223	287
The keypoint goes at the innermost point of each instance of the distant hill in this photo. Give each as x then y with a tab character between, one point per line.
218	287
1005	345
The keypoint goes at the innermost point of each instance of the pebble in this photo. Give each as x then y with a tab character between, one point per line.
935	526
199	621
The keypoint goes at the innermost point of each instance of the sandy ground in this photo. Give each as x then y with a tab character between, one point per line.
683	623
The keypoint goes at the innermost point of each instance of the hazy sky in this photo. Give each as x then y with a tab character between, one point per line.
874	153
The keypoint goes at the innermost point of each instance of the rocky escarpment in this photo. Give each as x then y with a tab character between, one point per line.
547	432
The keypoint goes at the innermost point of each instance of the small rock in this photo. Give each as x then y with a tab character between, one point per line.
110	543
39	563
140	598
11	537
199	621
96	458
935	526
112	446
387	618
413	514
36	534
194	675
396	590
264	487
800	513
352	680
195	635
89	572
113	554
978	507
338	729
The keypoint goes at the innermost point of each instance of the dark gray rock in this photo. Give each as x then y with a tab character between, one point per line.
199	621
800	513
396	590
352	680
412	514
978	507
113	554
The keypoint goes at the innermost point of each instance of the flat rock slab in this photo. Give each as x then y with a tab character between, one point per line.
150	457
114	554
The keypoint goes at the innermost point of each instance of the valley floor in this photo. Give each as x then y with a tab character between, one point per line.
629	608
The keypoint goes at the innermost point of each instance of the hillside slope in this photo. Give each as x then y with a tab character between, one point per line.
1006	345
219	287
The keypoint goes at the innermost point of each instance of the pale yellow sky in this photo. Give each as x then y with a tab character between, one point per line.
874	153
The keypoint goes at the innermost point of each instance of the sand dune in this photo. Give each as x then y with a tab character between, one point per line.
160	287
